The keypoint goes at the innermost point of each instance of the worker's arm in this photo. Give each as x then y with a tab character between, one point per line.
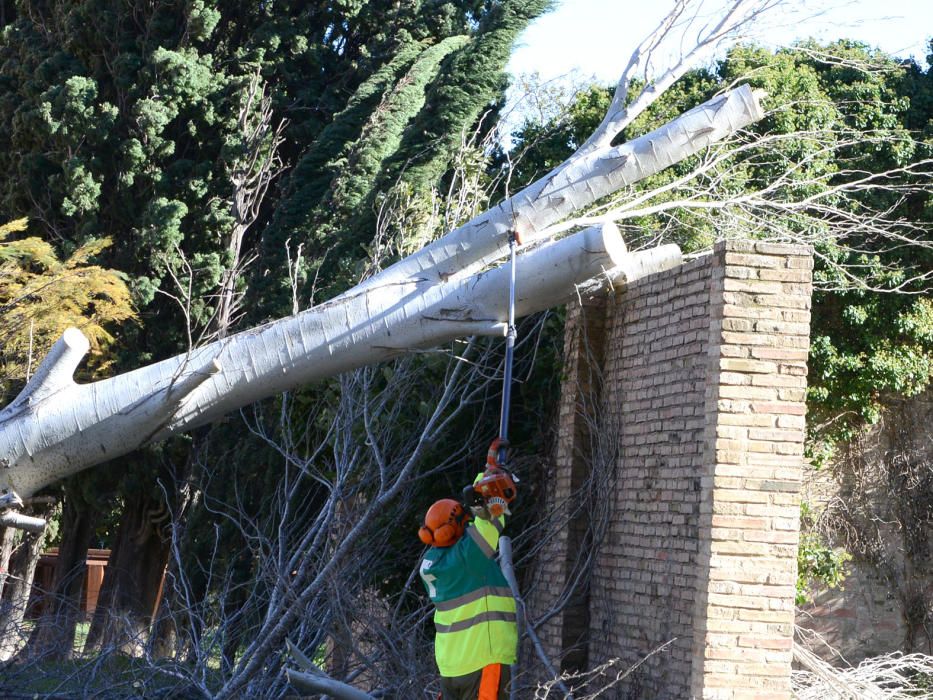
485	530
486	534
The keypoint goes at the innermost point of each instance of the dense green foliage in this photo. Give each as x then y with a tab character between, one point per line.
819	565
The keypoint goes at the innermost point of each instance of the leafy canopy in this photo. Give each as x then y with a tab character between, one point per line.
41	296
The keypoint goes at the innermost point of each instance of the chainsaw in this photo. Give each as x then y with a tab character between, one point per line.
495	489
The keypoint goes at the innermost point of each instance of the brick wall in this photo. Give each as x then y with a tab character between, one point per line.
700	432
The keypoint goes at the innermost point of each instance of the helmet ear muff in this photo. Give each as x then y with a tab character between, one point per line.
445	535
425	535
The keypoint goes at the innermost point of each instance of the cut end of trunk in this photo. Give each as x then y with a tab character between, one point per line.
752	97
606	238
634	267
76	341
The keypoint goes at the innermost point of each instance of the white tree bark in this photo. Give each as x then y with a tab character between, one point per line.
57	427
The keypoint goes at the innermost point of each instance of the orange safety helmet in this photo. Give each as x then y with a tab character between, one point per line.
444	523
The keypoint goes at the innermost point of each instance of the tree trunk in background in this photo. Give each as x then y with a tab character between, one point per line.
235	605
54	635
164	642
132	582
7	535
19	585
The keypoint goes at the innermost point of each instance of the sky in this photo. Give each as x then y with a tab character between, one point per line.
596	37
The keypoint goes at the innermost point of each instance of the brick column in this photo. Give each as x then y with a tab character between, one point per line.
749	510
703	375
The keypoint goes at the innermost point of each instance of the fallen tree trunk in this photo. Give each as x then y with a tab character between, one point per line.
56	427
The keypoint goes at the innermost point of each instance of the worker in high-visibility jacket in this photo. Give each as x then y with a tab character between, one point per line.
474	612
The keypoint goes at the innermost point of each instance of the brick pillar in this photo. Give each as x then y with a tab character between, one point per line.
702	374
749	508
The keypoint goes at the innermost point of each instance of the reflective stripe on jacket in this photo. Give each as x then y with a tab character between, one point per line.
474	609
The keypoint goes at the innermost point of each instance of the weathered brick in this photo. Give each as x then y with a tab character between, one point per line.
734	653
780	513
804	263
731	546
777	435
756	642
754	471
769	353
742	496
753	286
739	522
779	380
749	566
764	615
728	508
792	394
713	680
739	576
723	482
738	324
791	524
748	420
750	393
763	669
788	422
730	431
785	485
757	340
756	312
735	379
726	406
786	275
732	627
768	301
751	260
751	366
786	498
779	407
783	249
740	602
714	639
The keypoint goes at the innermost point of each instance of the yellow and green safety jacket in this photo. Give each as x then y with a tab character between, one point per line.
474	609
